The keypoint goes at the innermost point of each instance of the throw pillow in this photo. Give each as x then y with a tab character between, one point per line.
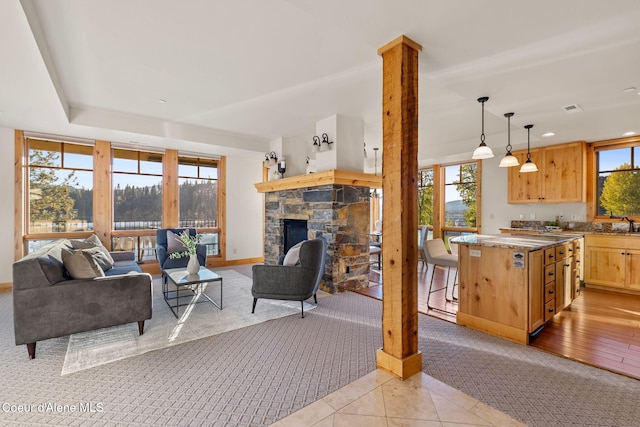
293	255
105	260
174	244
80	264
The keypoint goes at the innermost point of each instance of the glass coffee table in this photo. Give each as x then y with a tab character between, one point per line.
189	287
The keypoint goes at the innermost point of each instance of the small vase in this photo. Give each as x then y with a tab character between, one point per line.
193	266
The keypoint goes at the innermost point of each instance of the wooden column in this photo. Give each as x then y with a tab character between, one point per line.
171	190
399	354
102	192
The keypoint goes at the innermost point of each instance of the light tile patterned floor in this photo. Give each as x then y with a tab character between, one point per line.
379	399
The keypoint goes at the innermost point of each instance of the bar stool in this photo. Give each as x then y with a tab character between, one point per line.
436	254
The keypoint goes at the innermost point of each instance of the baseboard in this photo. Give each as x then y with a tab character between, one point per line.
6	287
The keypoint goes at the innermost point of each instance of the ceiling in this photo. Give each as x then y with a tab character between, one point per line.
238	74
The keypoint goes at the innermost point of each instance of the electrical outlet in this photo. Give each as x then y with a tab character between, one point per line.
532	216
348	269
235	251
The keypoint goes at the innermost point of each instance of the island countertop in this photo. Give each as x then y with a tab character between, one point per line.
513	241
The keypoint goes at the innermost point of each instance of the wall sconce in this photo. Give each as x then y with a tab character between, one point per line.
270	159
316	144
282	166
325	145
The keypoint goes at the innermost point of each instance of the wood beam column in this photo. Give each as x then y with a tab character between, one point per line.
171	190
399	354
102	191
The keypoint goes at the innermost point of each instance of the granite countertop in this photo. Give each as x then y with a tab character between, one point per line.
569	231
513	241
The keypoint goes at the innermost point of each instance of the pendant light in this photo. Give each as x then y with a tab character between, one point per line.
509	159
482	152
528	166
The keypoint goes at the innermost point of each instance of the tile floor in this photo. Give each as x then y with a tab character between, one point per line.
379	399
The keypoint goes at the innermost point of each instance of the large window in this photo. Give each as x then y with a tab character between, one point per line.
198	195
618	180
137	190
460	195
60	187
447	199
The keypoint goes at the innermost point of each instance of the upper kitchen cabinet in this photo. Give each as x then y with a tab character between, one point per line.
560	177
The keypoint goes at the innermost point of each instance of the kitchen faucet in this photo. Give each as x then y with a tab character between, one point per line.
631	221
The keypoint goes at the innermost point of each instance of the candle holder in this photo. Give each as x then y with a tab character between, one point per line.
282	166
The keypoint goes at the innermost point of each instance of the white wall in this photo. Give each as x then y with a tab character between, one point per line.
6	207
245	209
497	213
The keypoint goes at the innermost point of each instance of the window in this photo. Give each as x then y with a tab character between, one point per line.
617	180
137	190
425	197
60	187
447	199
198	195
460	195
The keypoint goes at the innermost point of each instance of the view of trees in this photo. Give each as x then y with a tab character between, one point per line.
467	190
425	197
57	199
621	191
50	198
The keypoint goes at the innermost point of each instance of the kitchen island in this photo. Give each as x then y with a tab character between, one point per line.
511	285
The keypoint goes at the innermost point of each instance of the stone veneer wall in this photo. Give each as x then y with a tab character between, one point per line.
340	214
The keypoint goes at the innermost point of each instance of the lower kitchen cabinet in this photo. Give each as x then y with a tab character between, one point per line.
613	261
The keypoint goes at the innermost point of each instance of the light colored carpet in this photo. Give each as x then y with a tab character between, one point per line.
94	348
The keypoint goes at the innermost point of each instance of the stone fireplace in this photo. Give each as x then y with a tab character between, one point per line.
337	211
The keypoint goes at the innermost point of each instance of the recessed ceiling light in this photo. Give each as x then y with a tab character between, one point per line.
162	101
631	133
548	134
572	108
629	89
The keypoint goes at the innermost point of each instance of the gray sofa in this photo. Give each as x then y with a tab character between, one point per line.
47	303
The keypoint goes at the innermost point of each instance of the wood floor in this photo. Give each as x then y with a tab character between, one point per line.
600	328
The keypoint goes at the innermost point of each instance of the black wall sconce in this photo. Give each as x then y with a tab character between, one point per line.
325	145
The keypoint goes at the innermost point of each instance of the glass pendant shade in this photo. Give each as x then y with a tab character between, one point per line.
482	152
509	160
528	166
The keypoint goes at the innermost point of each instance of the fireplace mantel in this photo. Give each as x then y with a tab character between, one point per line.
333	176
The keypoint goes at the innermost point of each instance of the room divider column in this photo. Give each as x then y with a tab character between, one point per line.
399	354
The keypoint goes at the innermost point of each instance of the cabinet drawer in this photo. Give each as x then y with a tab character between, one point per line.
549	256
550	273
549	291
562	251
549	309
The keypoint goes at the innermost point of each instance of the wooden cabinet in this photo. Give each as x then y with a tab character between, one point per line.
612	261
560	176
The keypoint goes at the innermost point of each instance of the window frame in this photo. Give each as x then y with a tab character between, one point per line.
592	174
439	228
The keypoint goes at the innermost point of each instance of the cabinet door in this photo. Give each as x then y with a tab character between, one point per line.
564	284
605	266
536	290
524	187
633	269
562	167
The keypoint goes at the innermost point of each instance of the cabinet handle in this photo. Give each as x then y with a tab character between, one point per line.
550	310
577	260
570	250
561	252
552	291
551	273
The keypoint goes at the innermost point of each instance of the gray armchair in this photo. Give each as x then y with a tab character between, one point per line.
163	257
292	283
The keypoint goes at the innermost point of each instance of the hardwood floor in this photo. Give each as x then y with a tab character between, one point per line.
600	328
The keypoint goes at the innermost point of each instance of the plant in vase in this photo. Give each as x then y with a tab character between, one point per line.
190	244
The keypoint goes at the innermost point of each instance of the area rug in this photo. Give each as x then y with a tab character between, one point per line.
89	349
